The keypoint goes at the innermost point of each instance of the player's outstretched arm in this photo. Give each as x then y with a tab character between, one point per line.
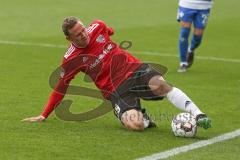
34	119
54	99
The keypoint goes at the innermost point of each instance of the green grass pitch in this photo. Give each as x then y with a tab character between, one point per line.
152	27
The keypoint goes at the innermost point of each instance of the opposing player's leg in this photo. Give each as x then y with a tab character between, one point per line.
183	45
195	42
185	17
200	23
179	99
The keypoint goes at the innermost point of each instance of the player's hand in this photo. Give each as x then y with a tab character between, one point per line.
34	119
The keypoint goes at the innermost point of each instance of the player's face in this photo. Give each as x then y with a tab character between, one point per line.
78	35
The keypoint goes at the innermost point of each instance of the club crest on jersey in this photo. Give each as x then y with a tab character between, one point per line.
100	39
85	59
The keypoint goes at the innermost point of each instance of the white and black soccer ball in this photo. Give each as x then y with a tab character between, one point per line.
184	125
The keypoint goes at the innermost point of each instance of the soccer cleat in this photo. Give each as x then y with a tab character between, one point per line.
190	59
152	124
149	122
203	121
182	68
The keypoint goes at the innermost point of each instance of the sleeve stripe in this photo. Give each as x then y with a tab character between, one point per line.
69	51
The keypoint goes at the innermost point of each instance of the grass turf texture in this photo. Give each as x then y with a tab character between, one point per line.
151	26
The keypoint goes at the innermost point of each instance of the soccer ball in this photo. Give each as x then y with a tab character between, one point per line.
184	125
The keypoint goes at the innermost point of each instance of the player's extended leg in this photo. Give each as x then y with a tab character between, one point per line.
183	44
196	38
200	23
195	42
179	99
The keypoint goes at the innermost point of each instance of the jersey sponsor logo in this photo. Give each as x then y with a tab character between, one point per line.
100	39
91	28
102	55
70	50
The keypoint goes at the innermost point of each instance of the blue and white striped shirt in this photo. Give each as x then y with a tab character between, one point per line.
196	4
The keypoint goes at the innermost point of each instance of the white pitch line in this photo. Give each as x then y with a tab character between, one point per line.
141	52
197	57
186	148
32	44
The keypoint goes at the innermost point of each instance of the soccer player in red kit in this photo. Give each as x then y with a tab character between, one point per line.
122	78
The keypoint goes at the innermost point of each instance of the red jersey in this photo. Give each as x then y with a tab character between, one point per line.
103	60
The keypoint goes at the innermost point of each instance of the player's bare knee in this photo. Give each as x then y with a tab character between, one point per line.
198	32
185	24
135	125
133	120
158	86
